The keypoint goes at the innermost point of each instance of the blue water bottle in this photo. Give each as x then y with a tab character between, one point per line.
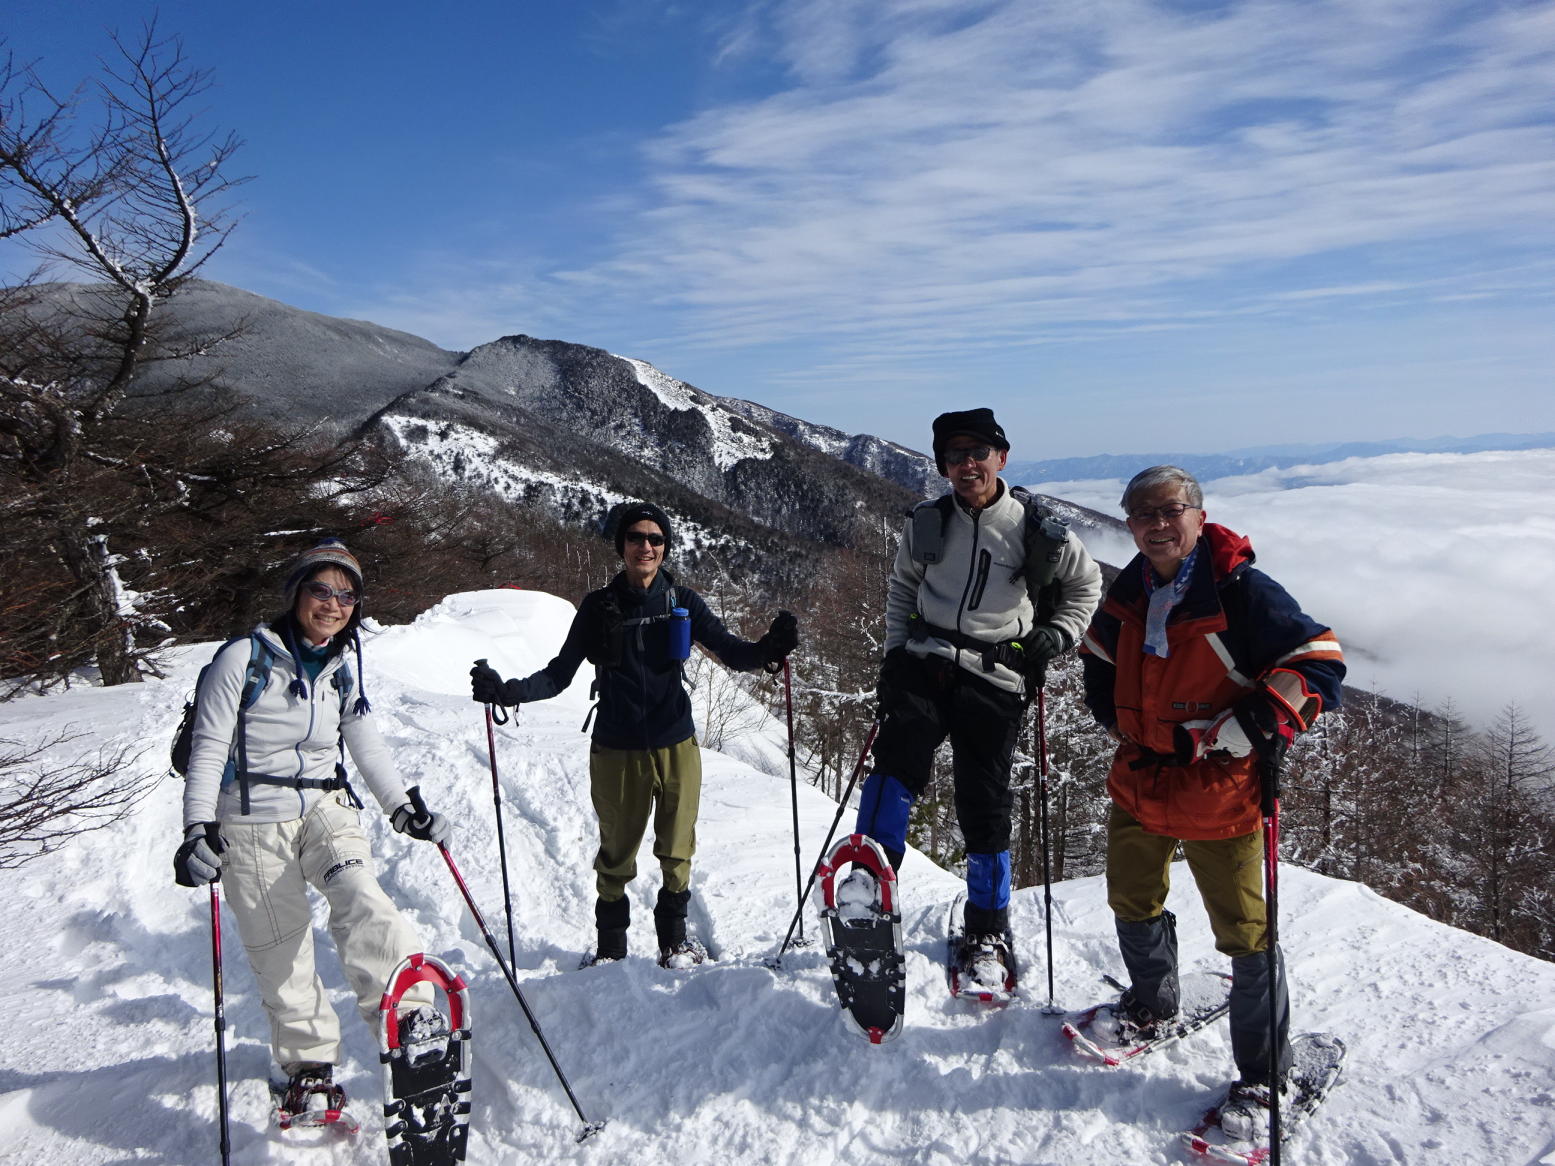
680	634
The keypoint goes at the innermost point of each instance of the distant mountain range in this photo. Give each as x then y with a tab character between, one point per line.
568	427
1209	466
575	429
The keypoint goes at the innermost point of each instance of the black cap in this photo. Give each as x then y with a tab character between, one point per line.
631	513
978	423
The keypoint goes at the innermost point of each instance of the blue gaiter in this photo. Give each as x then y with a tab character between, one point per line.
988	880
882	812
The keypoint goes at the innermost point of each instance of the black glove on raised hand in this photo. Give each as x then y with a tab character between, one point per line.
486	684
891	685
198	860
781	638
428	827
488	687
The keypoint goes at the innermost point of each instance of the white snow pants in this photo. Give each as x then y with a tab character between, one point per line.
266	872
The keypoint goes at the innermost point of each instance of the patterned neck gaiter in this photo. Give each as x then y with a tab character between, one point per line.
1164	597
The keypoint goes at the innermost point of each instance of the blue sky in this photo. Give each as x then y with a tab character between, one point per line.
1126	225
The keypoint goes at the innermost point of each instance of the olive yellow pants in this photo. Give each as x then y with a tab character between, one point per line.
630	785
1228	871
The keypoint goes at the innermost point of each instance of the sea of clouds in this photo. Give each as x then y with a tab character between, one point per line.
1429	567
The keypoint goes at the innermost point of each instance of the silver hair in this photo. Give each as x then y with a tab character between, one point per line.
1164	476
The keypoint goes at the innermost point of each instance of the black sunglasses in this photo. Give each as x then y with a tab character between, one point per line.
641	536
977	453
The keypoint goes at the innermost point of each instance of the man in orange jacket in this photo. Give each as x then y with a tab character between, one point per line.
1200	666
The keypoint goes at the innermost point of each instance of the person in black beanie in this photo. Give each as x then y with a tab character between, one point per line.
968	640
643	761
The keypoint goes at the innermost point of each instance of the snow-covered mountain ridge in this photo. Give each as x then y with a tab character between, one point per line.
582	424
109	1058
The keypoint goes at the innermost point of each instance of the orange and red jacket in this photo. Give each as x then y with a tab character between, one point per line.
1234	631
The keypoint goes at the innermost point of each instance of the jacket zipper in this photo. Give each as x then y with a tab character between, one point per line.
977	528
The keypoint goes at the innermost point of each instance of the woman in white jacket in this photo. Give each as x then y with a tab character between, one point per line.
267	806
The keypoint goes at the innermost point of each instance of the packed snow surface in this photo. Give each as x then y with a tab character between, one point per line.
108	1054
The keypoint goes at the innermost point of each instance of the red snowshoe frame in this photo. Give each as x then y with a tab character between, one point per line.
866	852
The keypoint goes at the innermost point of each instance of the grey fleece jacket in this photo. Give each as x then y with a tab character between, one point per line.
973	588
286	736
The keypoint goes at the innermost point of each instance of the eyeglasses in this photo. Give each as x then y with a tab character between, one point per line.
1172	511
642	536
955	456
323	592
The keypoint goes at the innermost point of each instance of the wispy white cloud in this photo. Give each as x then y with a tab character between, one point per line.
998	169
1432	568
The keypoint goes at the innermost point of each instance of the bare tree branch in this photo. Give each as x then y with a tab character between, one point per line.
46	801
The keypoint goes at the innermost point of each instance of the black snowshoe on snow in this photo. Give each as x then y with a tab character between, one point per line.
426	1067
863	934
979	968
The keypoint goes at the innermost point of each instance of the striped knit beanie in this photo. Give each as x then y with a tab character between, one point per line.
329	553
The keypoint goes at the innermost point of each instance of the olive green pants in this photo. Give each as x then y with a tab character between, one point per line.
627	786
1228	871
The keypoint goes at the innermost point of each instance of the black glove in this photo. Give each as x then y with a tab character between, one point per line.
781	638
1045	644
488	687
1268	729
604	631
198	860
891	686
429	827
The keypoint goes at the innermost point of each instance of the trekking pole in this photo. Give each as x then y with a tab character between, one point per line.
842	804
1271	857
793	787
1051	1009
589	1127
221	1014
499	717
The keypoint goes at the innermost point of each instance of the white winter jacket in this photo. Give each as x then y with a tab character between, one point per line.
974	589
286	736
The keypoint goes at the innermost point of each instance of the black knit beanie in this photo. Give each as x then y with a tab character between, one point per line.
978	423
635	512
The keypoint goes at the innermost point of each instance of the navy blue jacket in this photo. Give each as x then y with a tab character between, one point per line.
643	703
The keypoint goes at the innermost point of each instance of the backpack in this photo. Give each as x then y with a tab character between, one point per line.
608	639
256	676
261	658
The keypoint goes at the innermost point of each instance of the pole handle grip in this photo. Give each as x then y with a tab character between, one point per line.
494	712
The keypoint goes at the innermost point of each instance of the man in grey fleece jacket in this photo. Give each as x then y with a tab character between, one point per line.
965	650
